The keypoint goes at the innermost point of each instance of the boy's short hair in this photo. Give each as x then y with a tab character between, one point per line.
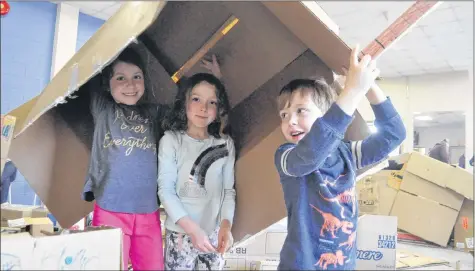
322	93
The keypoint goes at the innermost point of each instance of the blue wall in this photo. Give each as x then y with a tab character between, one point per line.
27	36
87	26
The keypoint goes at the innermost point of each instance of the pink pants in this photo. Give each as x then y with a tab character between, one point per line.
142	238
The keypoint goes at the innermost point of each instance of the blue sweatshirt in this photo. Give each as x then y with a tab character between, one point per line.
318	180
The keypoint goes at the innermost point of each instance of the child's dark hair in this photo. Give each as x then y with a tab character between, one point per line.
147	104
131	56
322	94
177	119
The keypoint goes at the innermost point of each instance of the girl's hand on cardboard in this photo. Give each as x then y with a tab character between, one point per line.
212	66
225	237
201	241
361	74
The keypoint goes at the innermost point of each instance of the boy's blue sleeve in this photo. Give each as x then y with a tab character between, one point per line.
390	134
310	153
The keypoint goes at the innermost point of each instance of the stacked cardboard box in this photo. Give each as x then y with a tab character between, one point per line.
20	218
428	197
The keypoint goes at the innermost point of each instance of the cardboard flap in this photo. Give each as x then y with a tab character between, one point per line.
431	221
429	190
107	42
428	168
21	113
461	181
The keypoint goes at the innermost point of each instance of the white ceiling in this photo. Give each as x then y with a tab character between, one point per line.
439	118
441	42
99	9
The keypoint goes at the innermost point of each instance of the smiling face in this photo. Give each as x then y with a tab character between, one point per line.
127	83
298	115
201	107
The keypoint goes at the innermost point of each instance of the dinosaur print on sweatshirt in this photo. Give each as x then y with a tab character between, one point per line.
348	196
332	224
350	242
331	259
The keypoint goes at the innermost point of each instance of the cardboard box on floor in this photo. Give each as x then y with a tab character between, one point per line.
376	246
270	45
94	249
463	231
8	126
26	218
430	197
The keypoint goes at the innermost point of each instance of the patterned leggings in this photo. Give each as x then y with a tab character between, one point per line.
181	255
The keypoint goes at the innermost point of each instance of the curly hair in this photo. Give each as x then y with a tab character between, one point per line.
177	120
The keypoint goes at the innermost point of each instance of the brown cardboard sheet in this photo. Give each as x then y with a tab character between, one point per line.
432	221
258	56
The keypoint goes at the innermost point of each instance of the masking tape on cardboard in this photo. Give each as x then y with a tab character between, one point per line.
74	78
97	64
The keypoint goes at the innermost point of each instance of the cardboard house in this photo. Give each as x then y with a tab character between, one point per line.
269	44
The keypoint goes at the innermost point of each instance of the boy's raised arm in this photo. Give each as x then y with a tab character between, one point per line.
390	131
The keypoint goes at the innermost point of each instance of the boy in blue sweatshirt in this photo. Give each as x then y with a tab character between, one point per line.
317	168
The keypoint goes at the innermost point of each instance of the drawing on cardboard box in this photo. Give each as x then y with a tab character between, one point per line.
10	262
68	258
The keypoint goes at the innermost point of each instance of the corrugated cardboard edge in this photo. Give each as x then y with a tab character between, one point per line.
118	32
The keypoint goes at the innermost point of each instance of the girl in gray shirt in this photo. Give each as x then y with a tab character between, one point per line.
196	176
122	172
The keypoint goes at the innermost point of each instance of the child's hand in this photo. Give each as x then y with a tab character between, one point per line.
361	74
201	241
212	66
225	239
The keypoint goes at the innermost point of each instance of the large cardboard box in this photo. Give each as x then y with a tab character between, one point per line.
430	197
98	249
270	45
463	230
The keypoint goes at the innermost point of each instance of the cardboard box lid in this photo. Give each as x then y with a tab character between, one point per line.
51	154
424	218
442	174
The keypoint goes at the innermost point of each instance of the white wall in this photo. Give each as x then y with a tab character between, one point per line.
427	93
65	37
429	136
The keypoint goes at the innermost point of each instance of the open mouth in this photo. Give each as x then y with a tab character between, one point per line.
296	134
130	94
